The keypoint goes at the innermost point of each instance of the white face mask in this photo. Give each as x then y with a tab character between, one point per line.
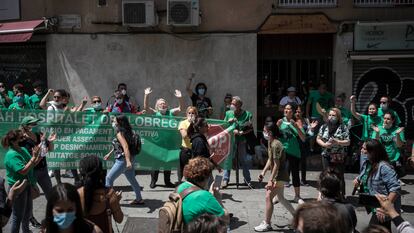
38	92
333	120
114	125
191	118
163	111
2	89
97	106
387	126
232	107
384	107
266	136
56	103
123	91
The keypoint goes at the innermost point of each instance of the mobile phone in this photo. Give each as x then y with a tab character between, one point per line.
368	200
217	181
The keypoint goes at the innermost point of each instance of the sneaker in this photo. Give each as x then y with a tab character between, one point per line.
401	182
275	200
298	200
287	185
51	174
263	227
35	223
304	183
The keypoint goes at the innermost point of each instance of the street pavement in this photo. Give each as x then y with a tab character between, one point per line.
246	204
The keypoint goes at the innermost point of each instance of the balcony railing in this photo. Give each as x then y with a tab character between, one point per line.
307	3
382	3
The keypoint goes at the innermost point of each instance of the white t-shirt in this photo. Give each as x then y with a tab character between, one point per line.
285	100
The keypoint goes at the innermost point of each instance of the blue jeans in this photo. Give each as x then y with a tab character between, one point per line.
43	179
22	211
242	154
117	169
362	159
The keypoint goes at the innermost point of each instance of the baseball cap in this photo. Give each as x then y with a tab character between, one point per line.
29	120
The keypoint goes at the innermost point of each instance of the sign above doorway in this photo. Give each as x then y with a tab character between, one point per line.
297	24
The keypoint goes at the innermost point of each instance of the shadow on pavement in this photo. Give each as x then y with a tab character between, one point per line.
226	196
151	204
236	223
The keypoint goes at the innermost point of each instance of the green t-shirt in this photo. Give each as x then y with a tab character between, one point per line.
346	115
289	138
275	151
324	100
167	113
198	203
14	162
387	138
241	121
17	107
34	101
381	115
367	121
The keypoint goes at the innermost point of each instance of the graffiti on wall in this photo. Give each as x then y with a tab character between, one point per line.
376	82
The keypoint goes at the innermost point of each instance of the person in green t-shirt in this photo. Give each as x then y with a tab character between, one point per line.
392	137
161	109
35	99
203	199
96	105
5	96
19	103
290	134
19	164
321	96
19	88
385	103
241	119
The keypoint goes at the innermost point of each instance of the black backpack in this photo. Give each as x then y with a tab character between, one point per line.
136	147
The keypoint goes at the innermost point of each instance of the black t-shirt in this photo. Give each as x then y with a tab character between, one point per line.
202	105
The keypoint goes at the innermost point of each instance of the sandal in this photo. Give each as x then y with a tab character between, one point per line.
136	202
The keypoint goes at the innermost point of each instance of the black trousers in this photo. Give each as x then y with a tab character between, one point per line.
185	156
293	168
154	177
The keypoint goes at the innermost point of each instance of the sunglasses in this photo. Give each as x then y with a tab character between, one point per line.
383	102
96	101
57	96
1	85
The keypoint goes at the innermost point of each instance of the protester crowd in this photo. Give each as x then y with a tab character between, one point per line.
321	122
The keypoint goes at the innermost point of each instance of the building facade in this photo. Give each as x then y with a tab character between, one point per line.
254	49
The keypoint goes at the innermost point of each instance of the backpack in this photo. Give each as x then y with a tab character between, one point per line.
136	148
170	216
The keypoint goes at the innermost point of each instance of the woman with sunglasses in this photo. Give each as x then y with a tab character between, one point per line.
185	149
96	105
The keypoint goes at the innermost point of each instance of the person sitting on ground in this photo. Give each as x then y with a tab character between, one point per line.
64	212
97	201
199	99
318	217
197	174
329	191
206	223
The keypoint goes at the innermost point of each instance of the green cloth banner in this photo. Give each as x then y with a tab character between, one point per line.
82	134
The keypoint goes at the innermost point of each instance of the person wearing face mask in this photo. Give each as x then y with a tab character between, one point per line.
19	102
96	105
185	149
239	117
122	87
34	100
19	164
368	121
31	140
201	198
161	110
120	105
5	96
19	88
199	99
226	105
333	137
385	106
392	137
64	212
276	163
339	104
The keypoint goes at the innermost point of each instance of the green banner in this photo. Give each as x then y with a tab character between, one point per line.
82	134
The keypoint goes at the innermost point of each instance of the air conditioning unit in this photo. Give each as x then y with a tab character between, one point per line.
139	13
183	12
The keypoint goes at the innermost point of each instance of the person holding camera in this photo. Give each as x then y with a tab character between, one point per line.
378	177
